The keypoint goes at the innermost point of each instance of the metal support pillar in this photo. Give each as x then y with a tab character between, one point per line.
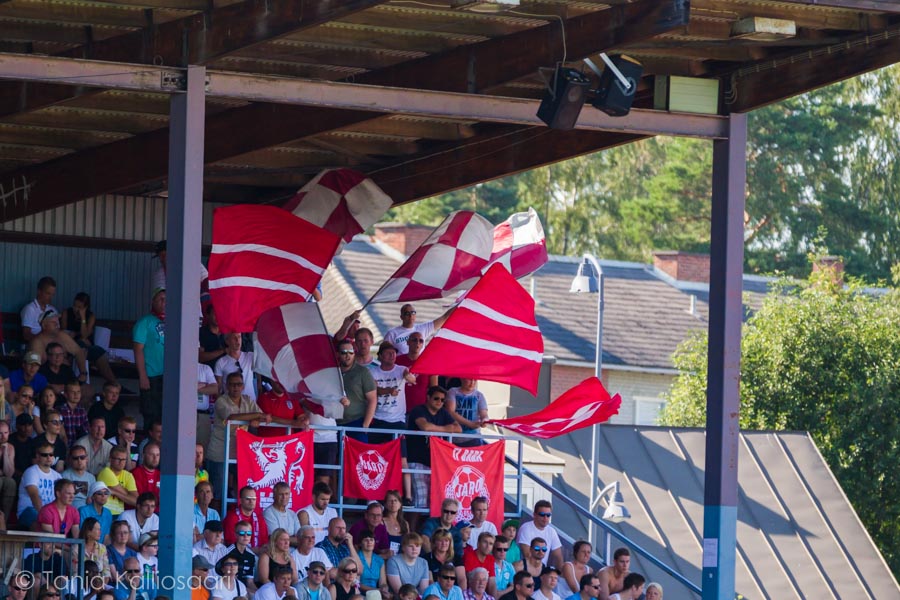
724	361
184	220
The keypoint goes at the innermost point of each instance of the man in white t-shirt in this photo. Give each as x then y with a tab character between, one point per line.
234	360
479	521
279	515
399	335
541	527
279	587
307	552
318	514
36	487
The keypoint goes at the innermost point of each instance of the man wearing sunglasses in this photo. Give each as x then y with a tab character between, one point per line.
359	386
240	551
431	417
541	527
131	585
78	474
590	588
449	510
523	587
399	336
36	488
445	587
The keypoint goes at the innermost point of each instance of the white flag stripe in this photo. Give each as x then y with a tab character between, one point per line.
488	345
270	251
487	311
255	282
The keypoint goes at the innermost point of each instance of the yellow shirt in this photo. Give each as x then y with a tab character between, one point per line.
125	479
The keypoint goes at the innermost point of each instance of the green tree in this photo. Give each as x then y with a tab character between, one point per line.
824	359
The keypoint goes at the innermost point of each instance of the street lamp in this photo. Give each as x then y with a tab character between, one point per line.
589	280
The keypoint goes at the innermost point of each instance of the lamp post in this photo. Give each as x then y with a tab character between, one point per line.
589	279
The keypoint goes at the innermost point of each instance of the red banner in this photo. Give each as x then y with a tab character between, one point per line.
263	462
465	474
370	470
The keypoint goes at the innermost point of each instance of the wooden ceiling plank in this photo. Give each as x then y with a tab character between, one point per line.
415	128
881	6
805	15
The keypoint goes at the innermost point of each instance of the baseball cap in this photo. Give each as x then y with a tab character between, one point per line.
146	538
549	569
386	345
213	525
47	314
462	524
32	358
199	562
156	291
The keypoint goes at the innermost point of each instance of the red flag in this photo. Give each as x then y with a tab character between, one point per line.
466	473
588	403
491	335
370	470
263	257
519	244
263	462
449	260
342	201
291	346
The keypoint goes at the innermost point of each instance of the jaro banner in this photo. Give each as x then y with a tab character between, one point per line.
370	470
263	462
465	474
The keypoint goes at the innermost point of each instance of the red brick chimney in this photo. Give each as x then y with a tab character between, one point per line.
403	237
832	264
683	266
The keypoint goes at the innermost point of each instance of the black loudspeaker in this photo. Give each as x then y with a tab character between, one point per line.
612	97
560	110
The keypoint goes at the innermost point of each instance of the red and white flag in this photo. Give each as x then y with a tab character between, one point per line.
491	335
292	347
586	404
465	474
262	257
449	260
263	462
519	244
342	201
370	470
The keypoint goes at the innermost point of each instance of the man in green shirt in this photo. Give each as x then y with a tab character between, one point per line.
359	385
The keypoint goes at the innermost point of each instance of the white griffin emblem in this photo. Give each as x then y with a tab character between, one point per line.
272	459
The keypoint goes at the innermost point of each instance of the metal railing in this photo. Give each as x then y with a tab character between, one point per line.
22	564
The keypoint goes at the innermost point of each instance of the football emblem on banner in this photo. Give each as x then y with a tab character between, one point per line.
370	470
465	474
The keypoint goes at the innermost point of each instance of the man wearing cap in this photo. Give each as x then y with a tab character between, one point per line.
200	578
37	486
28	374
549	579
95	445
142	519
149	341
399	336
97	496
211	547
313	587
78	474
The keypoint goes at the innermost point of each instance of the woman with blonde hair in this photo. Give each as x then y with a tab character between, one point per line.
653	591
277	554
442	552
346	586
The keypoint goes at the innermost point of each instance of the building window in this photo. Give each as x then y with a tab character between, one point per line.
646	410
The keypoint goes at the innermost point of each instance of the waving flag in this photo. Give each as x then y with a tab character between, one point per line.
342	201
262	257
491	335
586	404
449	260
292	347
519	244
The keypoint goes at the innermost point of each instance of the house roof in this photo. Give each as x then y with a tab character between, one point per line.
646	315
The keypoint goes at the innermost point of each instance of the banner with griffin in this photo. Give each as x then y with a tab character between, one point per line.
263	462
370	470
465	474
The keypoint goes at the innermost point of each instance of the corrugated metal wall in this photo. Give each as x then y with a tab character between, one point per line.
117	280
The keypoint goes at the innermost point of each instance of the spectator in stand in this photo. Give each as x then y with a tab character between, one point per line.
17	589
200	474
207	390
482	556
229	586
540	526
325	444
633	587
431	417
120	482
200	580
31	312
148	551
75	419
95	552
233	405
95	508
210	546
146	475
21	441
373	520
277	403
149	339
348	328
97	448
408	566
479	520
307	553
240	551
534	562
47	400
127	430
133	585
523	587
588	588
478	585
445	587
346	584
8	485
108	407
338	544
394	519
51	332
158	278
236	361
359	386
60	516
279	515
612	577
28	375
654	591
276	554
37	486
572	572
390	412
416	393
212	340
154	434
399	335
23	403
509	529
247	510
118	550
363	340
78	474
79	321
142	519
373	575
469	407
46	566
313	588
279	588
203	512
55	370
53	436
442	552
503	569
318	514
449	510
549	579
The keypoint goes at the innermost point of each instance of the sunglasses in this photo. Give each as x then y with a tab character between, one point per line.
132	570
321	572
501	549
45	454
82	457
409	312
528	586
129	430
450	512
347	352
448	577
438	398
55	421
245	533
539	548
545	514
229	564
350	571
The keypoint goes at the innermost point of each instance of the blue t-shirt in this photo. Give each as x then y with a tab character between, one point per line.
467	406
371	573
151	332
435	588
105	518
17	380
